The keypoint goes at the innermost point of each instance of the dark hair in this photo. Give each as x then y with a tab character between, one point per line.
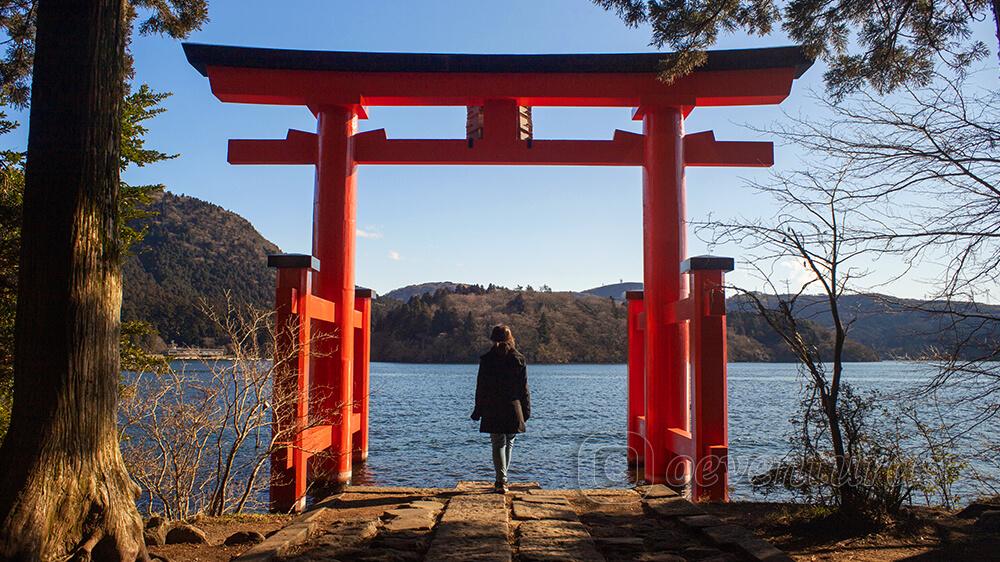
502	338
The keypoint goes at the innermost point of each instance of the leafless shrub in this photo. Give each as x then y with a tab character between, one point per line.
924	167
837	456
916	175
196	439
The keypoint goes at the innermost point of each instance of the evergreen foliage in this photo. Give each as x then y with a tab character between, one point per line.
11	192
191	254
137	107
451	324
882	45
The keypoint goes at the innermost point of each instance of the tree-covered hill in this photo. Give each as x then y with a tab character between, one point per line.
193	251
450	325
898	328
406	293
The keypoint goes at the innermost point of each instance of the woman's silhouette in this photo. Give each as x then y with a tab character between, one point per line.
503	402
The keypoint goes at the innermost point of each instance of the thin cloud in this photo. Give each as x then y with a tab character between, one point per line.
394	255
795	272
371	234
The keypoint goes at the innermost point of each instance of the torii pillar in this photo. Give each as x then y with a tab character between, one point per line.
664	246
335	207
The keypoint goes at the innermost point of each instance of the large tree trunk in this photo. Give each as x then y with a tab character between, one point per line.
996	20
64	488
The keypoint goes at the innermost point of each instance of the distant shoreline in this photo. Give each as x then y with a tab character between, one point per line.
233	358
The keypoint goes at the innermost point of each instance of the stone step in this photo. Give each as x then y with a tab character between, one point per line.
549	529
668	506
473	527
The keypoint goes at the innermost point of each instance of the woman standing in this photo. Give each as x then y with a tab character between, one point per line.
503	402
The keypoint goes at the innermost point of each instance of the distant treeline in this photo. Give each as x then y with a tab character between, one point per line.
194	252
450	325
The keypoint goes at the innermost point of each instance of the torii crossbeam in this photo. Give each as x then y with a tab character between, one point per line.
677	416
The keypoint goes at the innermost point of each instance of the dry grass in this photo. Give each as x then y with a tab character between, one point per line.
818	533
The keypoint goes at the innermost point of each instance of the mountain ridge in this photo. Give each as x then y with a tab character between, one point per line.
195	252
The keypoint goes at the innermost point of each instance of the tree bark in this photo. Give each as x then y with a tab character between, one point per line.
996	20
65	492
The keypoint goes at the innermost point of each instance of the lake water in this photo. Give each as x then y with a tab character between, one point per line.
421	434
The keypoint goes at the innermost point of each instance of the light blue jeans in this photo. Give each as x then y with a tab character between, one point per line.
503	445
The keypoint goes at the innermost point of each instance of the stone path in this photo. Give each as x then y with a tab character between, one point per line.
529	524
474	527
548	528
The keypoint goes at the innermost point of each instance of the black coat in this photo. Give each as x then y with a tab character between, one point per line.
503	402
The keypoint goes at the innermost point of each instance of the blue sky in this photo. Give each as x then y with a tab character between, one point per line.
568	227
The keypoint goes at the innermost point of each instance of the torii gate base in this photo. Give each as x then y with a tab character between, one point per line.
304	321
677	341
689	454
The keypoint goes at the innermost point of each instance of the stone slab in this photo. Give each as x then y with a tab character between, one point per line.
609	532
667	540
407	512
558	549
619	544
311	515
483	485
279	543
700	521
426	504
473	514
674	508
394	490
549	492
726	534
376	555
701	552
552	529
761	550
525	510
661	557
551	500
617	497
656	491
341	537
471	551
988	521
402	541
419	520
473	528
607	492
469	530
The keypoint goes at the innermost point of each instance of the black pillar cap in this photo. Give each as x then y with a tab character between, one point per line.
363	292
707	263
633	295
293	261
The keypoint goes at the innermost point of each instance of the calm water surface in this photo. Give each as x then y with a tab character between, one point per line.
421	434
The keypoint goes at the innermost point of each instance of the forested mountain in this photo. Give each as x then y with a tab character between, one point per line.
406	293
451	325
615	291
896	328
194	251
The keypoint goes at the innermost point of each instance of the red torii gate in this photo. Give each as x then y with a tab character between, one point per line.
677	338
